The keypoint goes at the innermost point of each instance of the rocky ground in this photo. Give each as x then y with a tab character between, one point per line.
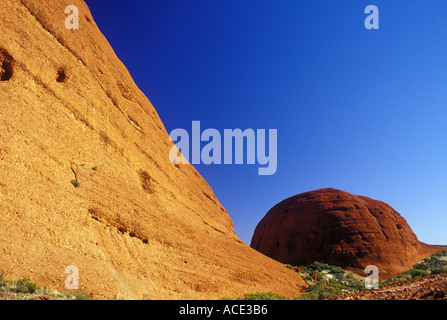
12	295
432	287
22	296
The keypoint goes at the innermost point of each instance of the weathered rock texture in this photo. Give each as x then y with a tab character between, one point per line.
339	228
85	176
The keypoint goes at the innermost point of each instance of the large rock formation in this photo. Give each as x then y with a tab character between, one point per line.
339	228
85	176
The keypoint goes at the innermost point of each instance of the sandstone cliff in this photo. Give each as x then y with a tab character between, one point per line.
85	177
339	228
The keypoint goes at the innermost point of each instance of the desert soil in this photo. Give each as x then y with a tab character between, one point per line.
433	287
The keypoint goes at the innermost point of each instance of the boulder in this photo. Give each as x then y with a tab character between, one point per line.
336	227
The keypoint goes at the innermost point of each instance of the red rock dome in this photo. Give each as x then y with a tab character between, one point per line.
339	228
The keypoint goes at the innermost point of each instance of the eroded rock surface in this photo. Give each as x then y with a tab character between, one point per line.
85	176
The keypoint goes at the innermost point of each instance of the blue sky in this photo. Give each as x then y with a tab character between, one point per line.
359	110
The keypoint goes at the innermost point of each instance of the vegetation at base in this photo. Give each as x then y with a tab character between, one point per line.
438	271
326	281
322	290
81	295
26	285
26	289
330	281
435	264
264	296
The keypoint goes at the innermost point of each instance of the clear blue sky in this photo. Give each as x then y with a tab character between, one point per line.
359	110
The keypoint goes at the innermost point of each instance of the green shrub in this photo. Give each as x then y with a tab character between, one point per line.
323	290
421	266
2	280
80	295
441	253
26	285
433	262
331	281
400	277
437	271
264	296
319	267
416	273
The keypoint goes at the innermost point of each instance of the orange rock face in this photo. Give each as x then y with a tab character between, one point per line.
339	228
86	181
